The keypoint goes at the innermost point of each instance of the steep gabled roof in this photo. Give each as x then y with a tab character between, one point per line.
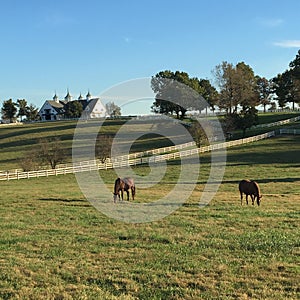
91	104
58	106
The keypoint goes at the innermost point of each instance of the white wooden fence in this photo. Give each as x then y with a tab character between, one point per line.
151	156
145	157
279	123
289	131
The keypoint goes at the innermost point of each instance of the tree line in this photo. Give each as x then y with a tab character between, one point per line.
237	92
235	86
11	110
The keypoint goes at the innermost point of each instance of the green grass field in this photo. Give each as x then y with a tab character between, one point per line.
55	245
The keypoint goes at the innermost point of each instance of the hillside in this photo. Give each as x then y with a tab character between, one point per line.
15	141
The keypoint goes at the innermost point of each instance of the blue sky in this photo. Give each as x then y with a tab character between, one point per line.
49	46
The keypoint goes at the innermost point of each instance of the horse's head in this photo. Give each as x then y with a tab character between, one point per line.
115	195
258	199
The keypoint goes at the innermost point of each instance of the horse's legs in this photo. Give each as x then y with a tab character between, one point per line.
127	195
241	198
247	199
133	192
121	195
252	198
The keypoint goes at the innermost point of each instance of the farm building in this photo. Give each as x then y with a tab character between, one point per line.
55	109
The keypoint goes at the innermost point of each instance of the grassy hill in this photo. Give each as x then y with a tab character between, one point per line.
16	141
55	245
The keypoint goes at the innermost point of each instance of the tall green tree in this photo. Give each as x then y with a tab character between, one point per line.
237	86
246	86
176	93
264	89
295	65
9	110
31	112
287	84
295	79
73	109
209	93
281	88
22	105
224	75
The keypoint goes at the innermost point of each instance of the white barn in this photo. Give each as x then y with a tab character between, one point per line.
55	109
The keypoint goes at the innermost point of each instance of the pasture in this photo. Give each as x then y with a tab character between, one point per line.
16	141
55	245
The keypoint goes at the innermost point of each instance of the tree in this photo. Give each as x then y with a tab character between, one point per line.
46	151
237	86
224	74
246	86
22	104
103	146
264	89
273	106
73	109
31	113
287	84
9	110
243	120
51	151
210	93
246	119
176	93
295	79
112	109
281	89
30	160
197	133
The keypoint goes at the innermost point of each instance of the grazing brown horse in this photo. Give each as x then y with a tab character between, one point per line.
122	185
250	187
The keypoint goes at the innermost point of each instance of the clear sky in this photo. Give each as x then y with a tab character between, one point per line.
55	45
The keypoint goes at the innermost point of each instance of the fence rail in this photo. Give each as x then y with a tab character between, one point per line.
289	131
279	123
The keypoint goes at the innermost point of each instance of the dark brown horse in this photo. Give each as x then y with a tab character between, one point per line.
250	187
122	185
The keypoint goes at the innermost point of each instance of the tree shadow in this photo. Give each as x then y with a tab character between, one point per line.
266	180
71	201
